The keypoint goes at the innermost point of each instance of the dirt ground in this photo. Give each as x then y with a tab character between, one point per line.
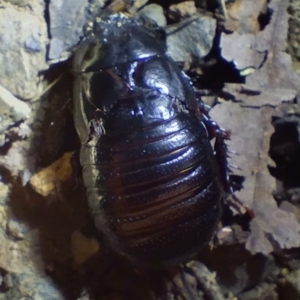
244	56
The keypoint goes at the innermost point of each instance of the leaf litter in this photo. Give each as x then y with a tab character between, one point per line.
248	116
271	80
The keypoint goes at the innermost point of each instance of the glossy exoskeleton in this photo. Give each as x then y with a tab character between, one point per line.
153	180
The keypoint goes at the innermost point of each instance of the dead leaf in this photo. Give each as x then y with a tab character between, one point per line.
243	15
251	131
248	57
246	51
277	71
273	82
45	181
82	247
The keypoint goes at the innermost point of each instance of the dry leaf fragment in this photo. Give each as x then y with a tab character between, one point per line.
273	82
232	44
271	220
246	51
243	15
82	247
45	181
251	131
277	71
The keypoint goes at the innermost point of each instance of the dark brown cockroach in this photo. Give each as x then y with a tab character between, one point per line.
154	182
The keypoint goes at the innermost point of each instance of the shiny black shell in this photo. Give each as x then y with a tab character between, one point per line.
152	179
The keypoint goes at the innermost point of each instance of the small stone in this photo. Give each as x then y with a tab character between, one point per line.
154	12
192	39
16	229
182	10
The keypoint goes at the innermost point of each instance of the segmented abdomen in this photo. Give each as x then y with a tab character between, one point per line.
154	191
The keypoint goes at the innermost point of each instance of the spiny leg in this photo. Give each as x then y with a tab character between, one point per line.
221	154
220	148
